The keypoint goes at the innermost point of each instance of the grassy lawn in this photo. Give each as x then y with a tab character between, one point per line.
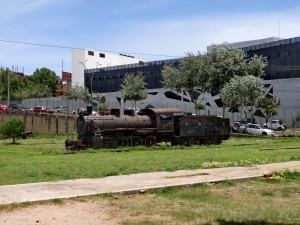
263	201
43	158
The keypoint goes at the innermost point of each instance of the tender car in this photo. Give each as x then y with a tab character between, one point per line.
39	109
4	108
257	129
60	109
275	125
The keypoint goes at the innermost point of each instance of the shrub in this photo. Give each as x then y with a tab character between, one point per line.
12	128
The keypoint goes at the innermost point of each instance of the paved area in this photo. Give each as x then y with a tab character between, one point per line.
134	183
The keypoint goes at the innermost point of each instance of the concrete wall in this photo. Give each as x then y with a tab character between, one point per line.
43	123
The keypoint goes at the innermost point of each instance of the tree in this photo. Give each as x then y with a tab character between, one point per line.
269	105
225	63
46	77
15	83
243	91
12	128
33	90
78	92
187	76
101	100
133	87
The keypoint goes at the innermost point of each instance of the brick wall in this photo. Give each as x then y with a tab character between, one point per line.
43	123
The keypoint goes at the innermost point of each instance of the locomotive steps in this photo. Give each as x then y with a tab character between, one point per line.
135	183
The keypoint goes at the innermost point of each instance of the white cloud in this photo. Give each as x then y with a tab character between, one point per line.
175	37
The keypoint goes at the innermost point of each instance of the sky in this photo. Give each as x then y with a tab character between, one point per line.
146	29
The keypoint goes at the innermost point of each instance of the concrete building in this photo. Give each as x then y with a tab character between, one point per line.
89	59
244	44
282	80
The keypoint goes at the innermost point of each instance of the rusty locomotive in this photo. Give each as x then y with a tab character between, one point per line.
148	127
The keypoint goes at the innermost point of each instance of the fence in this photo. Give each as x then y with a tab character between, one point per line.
43	123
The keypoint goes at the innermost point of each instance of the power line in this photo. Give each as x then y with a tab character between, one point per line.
68	47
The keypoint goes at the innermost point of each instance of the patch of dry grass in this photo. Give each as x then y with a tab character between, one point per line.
254	202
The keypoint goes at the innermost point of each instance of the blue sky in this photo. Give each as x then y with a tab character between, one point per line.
157	29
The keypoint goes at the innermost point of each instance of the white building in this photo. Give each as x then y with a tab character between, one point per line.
90	59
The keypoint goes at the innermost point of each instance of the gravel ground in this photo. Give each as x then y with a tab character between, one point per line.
69	212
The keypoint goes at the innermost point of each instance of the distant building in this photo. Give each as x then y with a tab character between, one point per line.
282	80
89	59
244	44
64	83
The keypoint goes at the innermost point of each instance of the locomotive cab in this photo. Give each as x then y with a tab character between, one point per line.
162	118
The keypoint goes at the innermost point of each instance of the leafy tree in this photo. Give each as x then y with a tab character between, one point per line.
16	83
46	77
187	76
243	91
269	105
78	92
101	100
13	128
225	63
133	87
33	90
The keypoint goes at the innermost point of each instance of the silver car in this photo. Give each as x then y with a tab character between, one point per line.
60	109
257	129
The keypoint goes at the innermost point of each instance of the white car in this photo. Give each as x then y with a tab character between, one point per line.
257	129
60	109
275	125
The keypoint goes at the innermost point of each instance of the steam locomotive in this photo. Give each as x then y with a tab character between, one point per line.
148	127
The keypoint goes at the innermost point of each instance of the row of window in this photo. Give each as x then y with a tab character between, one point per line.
101	55
272	44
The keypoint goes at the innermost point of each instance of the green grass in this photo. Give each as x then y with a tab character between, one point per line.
238	203
43	158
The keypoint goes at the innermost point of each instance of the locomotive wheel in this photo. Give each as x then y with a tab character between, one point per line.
136	141
186	142
150	141
174	141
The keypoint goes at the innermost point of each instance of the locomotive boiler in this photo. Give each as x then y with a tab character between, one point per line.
148	127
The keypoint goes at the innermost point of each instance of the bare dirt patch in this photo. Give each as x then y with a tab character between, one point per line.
69	212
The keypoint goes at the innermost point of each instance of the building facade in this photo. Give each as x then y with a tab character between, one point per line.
83	59
282	80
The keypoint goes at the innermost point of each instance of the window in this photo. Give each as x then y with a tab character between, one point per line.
91	53
101	55
165	117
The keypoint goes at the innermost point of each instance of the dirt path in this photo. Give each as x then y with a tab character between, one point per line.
70	212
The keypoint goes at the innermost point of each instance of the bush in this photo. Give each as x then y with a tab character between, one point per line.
12	128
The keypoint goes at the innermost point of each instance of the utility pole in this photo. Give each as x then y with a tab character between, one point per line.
91	81
8	84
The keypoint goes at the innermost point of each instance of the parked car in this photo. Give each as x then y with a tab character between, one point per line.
275	125
39	109
239	124
4	108
60	109
17	107
233	129
256	129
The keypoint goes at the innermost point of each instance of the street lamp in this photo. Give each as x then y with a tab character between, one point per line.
91	80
